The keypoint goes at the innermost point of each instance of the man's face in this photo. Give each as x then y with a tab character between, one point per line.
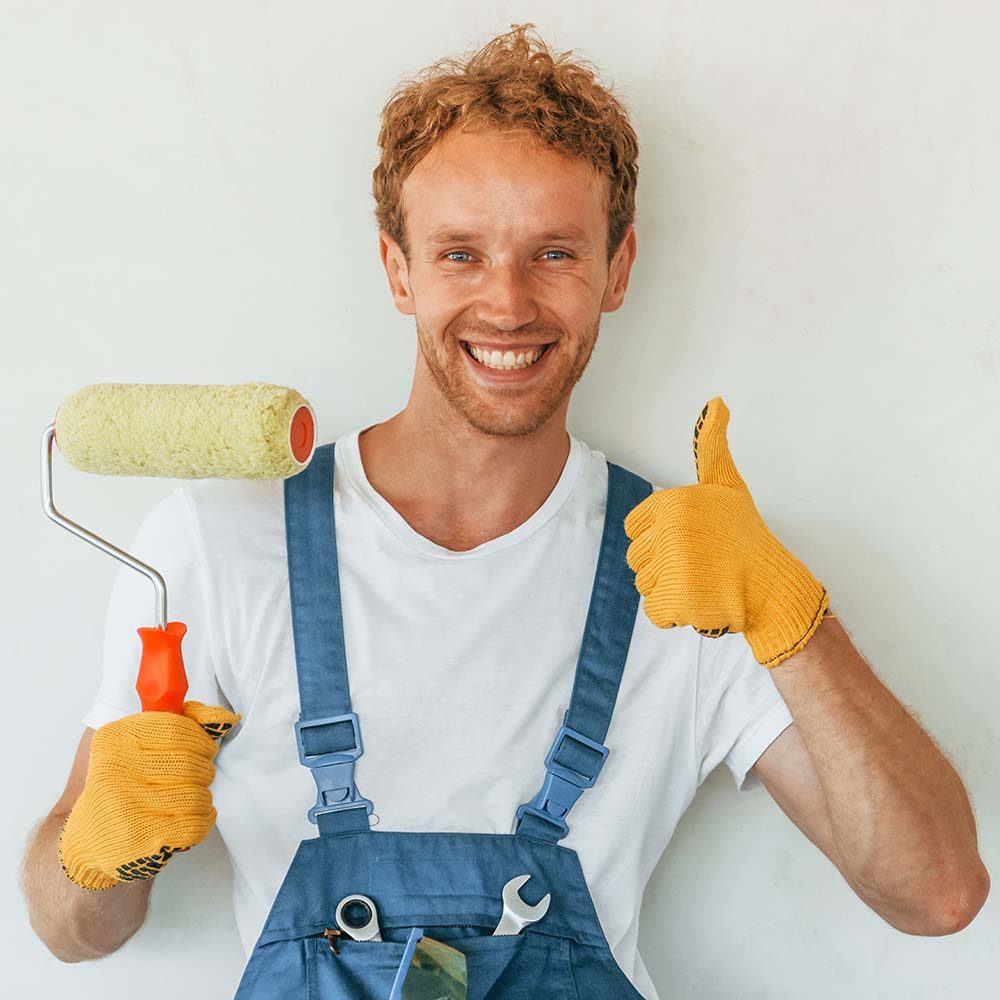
508	275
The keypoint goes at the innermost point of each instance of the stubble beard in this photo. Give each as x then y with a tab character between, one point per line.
499	411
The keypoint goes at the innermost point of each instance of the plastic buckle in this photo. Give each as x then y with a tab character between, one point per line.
563	785
333	772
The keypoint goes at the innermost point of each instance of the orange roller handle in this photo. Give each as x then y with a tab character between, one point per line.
162	682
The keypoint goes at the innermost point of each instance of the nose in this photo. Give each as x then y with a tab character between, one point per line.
506	301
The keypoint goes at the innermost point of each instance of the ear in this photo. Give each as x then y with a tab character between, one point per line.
618	272
398	272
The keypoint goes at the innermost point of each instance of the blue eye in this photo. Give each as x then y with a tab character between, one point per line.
450	254
563	252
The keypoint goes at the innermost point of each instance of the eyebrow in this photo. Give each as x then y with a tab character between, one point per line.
567	233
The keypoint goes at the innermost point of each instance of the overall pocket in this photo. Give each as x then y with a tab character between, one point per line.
365	970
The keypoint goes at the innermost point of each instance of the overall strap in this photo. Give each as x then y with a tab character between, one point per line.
327	733
578	753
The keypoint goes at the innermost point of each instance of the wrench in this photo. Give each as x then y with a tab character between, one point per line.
357	917
517	914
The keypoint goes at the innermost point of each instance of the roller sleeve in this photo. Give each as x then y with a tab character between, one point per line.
252	431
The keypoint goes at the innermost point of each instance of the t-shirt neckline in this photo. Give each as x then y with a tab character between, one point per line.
347	457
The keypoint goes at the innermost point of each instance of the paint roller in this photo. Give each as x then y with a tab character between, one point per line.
252	431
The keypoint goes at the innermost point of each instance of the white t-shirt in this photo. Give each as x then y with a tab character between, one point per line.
461	666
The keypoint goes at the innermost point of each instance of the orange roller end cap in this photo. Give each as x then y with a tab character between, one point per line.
302	434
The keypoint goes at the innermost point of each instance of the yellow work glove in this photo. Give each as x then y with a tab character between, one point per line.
146	796
703	557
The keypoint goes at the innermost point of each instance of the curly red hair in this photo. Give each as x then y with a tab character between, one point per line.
513	83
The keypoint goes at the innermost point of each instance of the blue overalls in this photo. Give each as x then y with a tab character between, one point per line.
447	883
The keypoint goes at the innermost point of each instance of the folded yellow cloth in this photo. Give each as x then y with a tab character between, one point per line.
703	557
146	796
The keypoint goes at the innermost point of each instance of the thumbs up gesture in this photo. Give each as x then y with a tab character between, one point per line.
702	556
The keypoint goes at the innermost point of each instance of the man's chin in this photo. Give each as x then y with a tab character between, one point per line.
496	410
505	422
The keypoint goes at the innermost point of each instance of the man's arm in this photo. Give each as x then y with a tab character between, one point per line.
868	786
76	924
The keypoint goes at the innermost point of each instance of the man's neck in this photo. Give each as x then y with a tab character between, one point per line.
457	486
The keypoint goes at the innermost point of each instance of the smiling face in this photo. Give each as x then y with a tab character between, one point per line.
507	278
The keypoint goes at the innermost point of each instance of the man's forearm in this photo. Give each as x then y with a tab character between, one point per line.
76	924
902	825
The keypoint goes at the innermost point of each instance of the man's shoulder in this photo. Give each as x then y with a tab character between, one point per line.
598	461
231	497
234	519
222	501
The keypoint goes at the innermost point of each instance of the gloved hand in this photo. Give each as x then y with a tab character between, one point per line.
703	556
146	796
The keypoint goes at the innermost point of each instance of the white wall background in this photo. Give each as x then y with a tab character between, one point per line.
185	197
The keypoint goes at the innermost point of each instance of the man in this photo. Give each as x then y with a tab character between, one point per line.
468	528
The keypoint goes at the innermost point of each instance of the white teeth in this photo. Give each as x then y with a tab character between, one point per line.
507	360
